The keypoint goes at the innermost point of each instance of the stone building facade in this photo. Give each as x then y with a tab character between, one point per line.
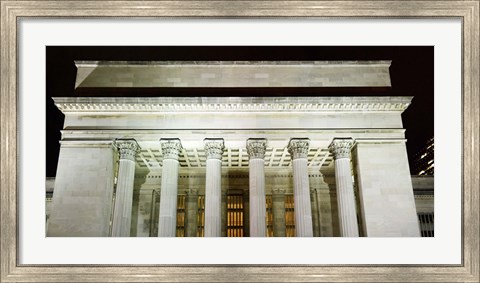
299	166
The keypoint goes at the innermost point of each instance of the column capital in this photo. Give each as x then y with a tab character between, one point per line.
171	148
256	148
340	148
298	147
127	148
214	148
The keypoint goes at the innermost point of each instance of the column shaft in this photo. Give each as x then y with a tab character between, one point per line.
278	207
345	195
298	149
167	220
258	226
122	216
303	210
213	198
213	187
346	198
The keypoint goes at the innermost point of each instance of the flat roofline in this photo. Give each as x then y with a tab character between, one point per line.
81	63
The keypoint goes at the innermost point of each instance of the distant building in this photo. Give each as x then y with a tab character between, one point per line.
423	163
423	190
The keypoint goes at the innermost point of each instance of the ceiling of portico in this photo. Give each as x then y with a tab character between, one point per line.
233	158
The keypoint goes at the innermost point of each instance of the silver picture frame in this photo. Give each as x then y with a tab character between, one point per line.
466	11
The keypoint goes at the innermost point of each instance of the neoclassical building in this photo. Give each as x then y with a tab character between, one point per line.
301	166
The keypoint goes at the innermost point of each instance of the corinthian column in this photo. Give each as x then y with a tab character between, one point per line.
167	219
213	187
298	149
340	148
256	153
122	215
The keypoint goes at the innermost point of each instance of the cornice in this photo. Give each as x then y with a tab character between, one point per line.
231	104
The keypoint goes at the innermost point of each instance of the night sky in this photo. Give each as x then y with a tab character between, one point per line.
411	75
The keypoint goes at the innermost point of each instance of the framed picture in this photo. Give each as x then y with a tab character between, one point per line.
29	27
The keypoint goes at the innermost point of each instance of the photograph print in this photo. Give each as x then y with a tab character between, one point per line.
239	141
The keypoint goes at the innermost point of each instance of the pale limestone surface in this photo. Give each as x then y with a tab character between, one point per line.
168	199
82	202
122	215
278	210
315	213
213	201
385	189
258	226
257	202
235	119
347	212
191	211
142	211
301	189
233	74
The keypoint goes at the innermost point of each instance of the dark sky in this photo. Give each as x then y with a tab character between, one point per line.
411	75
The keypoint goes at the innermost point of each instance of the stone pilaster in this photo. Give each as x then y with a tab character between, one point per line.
122	215
191	211
298	149
256	151
246	213
224	212
213	187
167	220
325	211
278	208
340	148
315	214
